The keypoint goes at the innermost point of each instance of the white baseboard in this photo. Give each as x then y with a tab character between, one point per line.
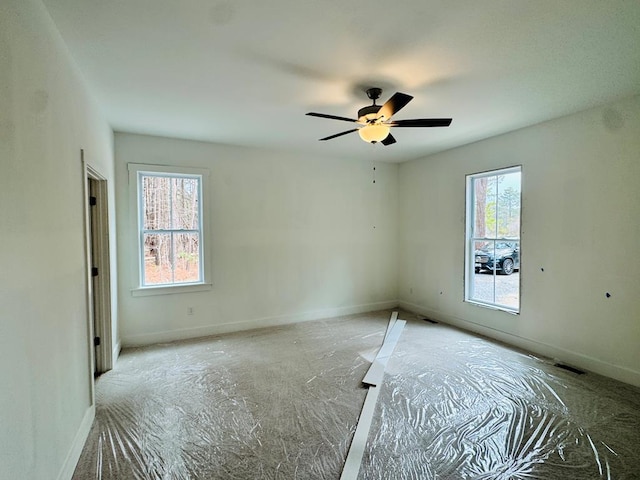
66	472
554	352
204	331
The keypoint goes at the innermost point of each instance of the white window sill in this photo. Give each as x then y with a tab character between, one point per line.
491	306
170	289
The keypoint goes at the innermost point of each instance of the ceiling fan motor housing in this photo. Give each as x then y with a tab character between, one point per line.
368	110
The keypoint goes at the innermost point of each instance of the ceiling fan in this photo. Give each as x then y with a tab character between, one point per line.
375	120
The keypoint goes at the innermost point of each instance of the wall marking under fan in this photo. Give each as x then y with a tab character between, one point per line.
375	120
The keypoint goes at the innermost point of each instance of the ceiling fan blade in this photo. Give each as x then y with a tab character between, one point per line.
333	117
393	105
338	134
422	122
389	140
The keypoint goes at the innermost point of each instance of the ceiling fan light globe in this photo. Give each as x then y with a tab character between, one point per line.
373	133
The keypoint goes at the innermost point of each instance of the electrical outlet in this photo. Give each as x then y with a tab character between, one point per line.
189	310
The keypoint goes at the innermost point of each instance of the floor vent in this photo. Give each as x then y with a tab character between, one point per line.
569	368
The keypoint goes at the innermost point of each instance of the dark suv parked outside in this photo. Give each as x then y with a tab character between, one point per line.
505	258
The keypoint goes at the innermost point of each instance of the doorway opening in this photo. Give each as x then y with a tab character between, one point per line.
98	270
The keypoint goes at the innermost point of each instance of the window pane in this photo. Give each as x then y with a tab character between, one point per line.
157	259
507	284
509	205
485	206
155	203
185	203
483	282
187	257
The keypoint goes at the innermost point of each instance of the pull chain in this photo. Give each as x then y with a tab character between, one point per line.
374	204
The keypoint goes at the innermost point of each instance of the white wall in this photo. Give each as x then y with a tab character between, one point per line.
580	222
46	117
293	239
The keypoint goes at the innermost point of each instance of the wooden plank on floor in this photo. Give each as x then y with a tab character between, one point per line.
392	322
373	378
376	370
356	450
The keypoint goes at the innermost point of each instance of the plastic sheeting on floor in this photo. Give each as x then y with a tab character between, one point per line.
284	403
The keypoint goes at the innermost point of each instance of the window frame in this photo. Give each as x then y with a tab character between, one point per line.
136	171
470	239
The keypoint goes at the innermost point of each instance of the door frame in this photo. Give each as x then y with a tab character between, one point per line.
97	255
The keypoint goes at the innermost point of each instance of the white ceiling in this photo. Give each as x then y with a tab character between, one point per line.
245	72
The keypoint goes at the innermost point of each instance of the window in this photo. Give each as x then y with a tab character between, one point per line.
169	203
493	239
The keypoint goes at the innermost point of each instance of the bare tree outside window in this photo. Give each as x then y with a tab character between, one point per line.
170	211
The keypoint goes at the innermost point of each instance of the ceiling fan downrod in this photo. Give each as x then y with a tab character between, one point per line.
374	93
